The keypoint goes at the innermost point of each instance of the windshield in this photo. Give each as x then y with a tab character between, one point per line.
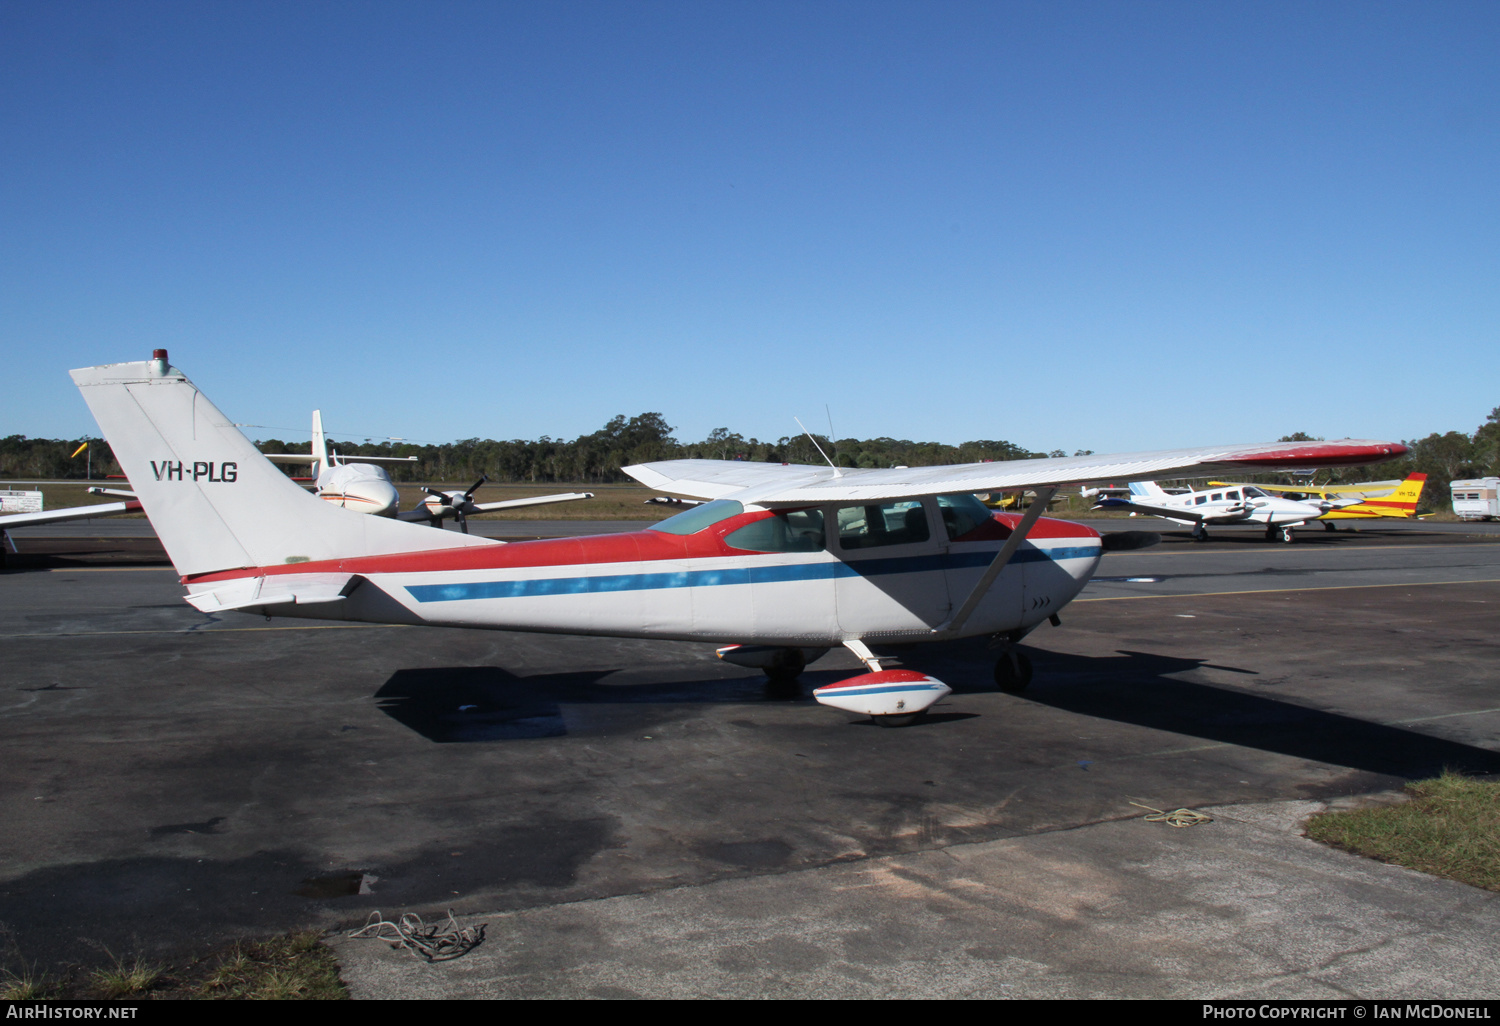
691	521
961	514
796	531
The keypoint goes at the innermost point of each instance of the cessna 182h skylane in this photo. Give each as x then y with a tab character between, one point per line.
783	560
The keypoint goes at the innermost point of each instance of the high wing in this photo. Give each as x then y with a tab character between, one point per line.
311	457
771	483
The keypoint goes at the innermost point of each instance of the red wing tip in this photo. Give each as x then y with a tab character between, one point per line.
1324	454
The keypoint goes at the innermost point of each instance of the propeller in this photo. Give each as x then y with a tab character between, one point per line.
458	505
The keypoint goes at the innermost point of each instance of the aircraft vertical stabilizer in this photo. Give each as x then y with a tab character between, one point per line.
216	503
319	444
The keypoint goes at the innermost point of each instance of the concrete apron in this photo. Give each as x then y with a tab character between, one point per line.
1242	907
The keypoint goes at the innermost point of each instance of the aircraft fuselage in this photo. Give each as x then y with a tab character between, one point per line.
698	586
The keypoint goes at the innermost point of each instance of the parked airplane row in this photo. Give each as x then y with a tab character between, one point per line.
779	563
1226	503
360	485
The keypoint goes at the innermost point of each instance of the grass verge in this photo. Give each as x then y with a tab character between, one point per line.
290	967
1450	828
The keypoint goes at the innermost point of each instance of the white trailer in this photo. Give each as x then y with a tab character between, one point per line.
1477	498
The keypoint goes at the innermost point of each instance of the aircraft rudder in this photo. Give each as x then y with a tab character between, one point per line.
1409	492
214	500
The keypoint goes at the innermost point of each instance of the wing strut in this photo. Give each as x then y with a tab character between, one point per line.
1037	508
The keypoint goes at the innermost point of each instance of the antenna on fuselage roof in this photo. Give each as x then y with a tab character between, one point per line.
814	441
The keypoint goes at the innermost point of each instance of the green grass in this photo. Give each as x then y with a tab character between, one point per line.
1449	828
293	966
28	986
122	981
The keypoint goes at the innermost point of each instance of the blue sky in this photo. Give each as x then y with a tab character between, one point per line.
1111	226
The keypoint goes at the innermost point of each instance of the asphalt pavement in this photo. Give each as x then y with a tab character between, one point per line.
637	817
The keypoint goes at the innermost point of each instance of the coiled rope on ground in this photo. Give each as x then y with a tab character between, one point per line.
437	943
1175	818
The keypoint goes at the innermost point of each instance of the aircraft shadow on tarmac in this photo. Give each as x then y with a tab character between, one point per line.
1140	688
486	703
467	704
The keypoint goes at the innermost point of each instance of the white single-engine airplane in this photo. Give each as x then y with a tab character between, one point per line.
1236	504
783	562
364	487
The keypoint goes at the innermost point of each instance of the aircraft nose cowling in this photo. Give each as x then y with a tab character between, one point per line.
364	495
887	693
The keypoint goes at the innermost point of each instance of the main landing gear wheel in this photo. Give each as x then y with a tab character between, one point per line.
1200	533
1013	672
903	720
787	666
782	673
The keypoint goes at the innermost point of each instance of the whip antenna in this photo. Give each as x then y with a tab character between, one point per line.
814	441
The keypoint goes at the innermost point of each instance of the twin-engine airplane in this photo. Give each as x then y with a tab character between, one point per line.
360	485
782	562
1367	501
1237	504
363	486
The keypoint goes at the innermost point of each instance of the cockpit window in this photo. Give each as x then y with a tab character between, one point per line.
1255	493
796	531
962	513
693	520
1232	495
880	524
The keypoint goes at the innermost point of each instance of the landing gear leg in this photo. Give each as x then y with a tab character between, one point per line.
1012	671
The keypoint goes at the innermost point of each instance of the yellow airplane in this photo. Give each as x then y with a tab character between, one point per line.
1401	502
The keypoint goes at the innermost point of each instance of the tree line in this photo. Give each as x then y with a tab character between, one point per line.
1444	458
596	458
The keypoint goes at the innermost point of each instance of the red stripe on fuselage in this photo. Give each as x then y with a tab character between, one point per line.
627	547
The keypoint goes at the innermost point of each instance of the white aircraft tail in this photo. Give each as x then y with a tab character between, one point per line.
319	445
216	503
1147	490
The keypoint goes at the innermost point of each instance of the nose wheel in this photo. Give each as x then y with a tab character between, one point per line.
1012	672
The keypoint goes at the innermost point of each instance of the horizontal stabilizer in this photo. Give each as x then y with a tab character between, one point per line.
1170	512
58	516
281	590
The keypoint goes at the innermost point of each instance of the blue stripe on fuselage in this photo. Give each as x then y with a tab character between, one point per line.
457	592
875	689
